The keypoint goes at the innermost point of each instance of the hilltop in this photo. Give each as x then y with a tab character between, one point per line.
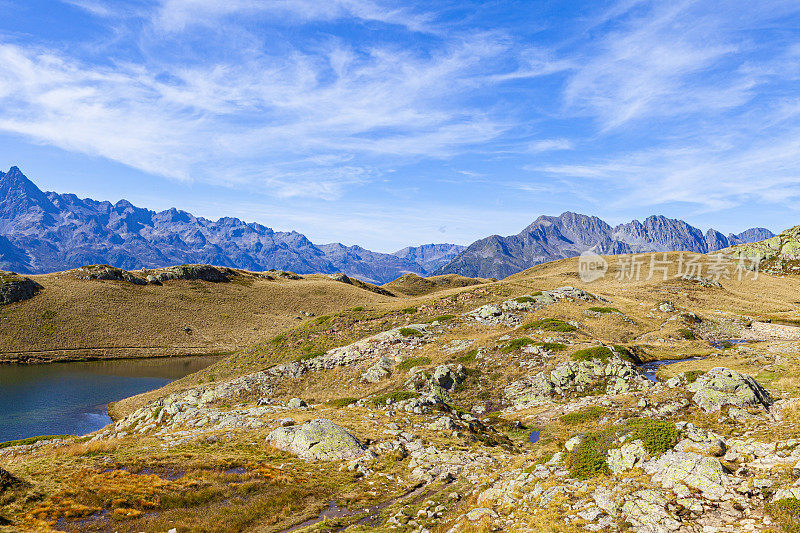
779	254
534	403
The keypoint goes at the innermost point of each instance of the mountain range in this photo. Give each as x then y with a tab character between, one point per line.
549	238
45	232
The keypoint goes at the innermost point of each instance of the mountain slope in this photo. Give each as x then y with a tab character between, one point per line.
549	238
430	256
47	232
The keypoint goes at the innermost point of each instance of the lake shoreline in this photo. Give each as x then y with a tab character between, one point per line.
84	358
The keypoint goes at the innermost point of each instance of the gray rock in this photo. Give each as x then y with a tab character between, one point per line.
705	474
629	456
722	386
15	288
296	403
317	439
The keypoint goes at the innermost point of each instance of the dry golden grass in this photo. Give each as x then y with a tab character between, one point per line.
80	318
414	285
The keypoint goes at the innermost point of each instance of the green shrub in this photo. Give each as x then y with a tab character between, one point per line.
394	397
469	356
658	436
687	334
410	310
587	414
440	318
309	355
525	299
408	364
787	512
516	344
342	402
552	346
625	353
410	332
605	310
550	324
357	309
586	461
598	353
692	375
277	341
49	314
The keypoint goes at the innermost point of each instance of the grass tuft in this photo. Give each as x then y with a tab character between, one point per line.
598	353
550	324
394	397
410	332
605	310
588	414
342	402
408	364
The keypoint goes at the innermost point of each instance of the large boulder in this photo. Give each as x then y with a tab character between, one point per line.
317	439
673	469
15	288
723	386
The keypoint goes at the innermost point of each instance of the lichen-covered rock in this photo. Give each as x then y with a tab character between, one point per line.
15	288
108	273
197	272
378	371
705	474
723	386
646	511
628	456
613	376
317	440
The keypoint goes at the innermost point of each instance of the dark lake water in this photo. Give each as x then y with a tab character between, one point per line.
72	398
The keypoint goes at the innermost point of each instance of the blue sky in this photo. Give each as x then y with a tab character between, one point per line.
393	123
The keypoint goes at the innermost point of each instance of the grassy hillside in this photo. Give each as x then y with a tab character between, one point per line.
414	285
73	317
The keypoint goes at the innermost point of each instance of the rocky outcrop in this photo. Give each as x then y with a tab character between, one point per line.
613	376
15	288
681	471
724	387
195	272
320	440
106	273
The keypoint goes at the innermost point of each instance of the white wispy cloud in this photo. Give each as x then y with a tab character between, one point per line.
303	109
549	145
177	15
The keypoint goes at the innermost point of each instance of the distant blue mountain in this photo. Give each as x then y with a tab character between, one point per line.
46	232
550	238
